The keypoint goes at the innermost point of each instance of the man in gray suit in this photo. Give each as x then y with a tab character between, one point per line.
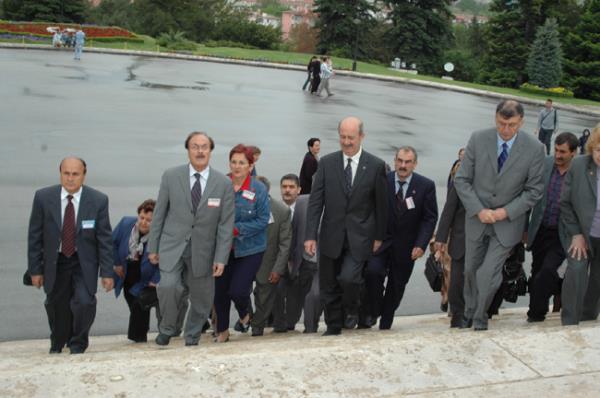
274	262
498	182
191	236
580	217
348	199
301	268
544	230
69	242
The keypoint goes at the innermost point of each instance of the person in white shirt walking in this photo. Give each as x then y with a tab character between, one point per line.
326	73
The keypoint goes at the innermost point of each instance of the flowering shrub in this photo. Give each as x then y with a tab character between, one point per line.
40	29
553	92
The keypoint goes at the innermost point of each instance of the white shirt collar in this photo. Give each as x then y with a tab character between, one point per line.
407	181
204	173
354	158
76	196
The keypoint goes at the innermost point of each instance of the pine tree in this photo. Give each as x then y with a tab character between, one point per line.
340	24
582	61
544	65
421	32
45	10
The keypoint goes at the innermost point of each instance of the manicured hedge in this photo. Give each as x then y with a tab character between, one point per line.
551	92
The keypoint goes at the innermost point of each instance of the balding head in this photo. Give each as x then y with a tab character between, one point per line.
351	135
72	173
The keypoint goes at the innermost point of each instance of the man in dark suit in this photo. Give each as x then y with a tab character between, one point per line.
412	217
543	237
348	200
274	261
498	182
69	242
301	268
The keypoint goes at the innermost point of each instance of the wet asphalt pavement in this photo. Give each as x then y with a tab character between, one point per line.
128	116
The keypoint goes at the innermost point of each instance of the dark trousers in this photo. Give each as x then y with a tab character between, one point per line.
291	293
374	289
456	298
545	137
399	273
139	319
313	307
265	295
314	84
235	285
70	307
340	282
548	255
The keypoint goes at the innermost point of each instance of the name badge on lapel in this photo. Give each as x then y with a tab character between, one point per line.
214	202
248	195
410	203
88	224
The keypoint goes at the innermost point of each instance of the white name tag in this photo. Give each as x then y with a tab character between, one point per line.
214	202
410	203
271	218
248	195
88	224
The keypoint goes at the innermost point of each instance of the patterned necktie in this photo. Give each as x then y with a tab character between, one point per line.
348	173
400	194
68	230
503	156
196	192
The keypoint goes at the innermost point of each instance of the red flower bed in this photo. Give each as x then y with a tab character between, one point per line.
39	29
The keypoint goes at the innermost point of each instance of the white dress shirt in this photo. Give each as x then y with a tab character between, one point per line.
64	201
354	164
203	177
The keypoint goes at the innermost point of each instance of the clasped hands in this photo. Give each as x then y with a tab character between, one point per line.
489	216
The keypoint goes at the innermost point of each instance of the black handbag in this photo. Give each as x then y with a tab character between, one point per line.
434	273
148	298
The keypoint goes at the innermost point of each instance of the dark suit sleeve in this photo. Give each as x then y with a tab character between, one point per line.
430	216
116	242
315	203
381	204
285	242
447	217
35	251
568	217
104	239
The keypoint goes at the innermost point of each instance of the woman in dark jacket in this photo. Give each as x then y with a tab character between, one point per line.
309	165
134	274
252	213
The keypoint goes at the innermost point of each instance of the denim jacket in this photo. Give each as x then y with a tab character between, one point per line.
252	213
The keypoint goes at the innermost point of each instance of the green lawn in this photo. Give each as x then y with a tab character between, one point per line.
149	44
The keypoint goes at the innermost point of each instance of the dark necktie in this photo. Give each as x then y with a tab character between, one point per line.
196	192
348	173
68	230
400	194
503	156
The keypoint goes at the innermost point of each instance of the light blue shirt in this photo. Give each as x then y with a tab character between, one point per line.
501	141
405	186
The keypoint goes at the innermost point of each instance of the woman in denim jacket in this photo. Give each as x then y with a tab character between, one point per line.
252	213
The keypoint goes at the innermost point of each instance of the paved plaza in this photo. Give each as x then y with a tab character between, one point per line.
127	116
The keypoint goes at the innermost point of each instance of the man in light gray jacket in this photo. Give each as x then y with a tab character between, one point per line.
499	181
191	236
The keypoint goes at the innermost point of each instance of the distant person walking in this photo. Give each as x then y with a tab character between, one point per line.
326	73
315	70
308	69
79	42
309	164
547	124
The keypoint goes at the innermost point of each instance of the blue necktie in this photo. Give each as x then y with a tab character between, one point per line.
503	156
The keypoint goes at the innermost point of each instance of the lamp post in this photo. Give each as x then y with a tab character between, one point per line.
356	22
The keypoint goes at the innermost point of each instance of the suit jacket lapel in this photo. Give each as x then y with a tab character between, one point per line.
340	171
592	177
83	200
184	179
211	183
363	163
492	148
55	208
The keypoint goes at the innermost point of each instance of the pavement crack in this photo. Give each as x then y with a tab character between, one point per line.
512	354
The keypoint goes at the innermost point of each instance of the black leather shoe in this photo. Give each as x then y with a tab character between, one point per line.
366	323
332	332
351	321
480	325
191	342
533	319
162	339
307	331
55	351
456	321
279	330
205	327
257	332
466	323
76	350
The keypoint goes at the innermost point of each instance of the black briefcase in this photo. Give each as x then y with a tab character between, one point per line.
148	298
434	273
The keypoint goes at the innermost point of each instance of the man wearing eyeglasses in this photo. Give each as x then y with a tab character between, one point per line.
499	181
190	237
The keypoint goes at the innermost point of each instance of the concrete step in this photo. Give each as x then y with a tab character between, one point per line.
420	356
